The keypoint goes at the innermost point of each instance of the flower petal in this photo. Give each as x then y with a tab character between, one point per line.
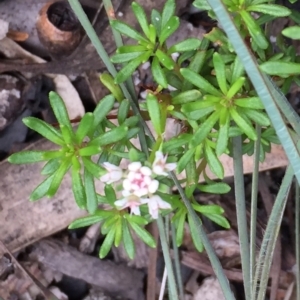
134	166
153	186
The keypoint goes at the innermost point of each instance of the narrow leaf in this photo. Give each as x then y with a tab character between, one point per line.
155	113
199	82
158	73
141	17
213	162
128	69
107	243
78	189
127	240
143	234
84	127
60	110
270	9
91	196
127	30
44	129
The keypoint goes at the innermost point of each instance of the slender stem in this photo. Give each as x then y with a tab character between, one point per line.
177	263
167	258
297	221
241	213
215	262
270	237
163	285
254	193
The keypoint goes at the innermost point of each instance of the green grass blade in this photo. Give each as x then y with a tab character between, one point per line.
241	213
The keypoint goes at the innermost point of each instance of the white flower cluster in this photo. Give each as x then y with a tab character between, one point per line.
139	185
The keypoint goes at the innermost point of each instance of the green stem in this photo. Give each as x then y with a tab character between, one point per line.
254	193
215	262
177	263
241	213
167	258
270	237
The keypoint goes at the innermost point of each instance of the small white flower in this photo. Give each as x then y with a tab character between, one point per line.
160	167
139	181
114	173
131	201
155	203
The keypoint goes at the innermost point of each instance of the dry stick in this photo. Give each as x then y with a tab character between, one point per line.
153	254
117	280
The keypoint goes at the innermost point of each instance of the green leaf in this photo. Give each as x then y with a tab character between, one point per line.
136	219
152	34
109	82
220	220
93	168
125	57
89	151
91	196
127	240
186	45
213	162
143	234
234	89
78	189
176	142
168	29
156	20
185	97
200	82
180	228
270	9
292	32
168	12
44	129
84	127
254	30
195	234
202	5
127	30
243	124
219	67
280	68
86	221
51	166
123	111
131	48
67	134
141	17
128	69
27	157
204	129
42	189
119	231
58	177
165	59
102	109
237	70
107	243
184	160
223	137
215	188
110	137
258	117
208	209
154	113
252	102
110	194
60	110
158	74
